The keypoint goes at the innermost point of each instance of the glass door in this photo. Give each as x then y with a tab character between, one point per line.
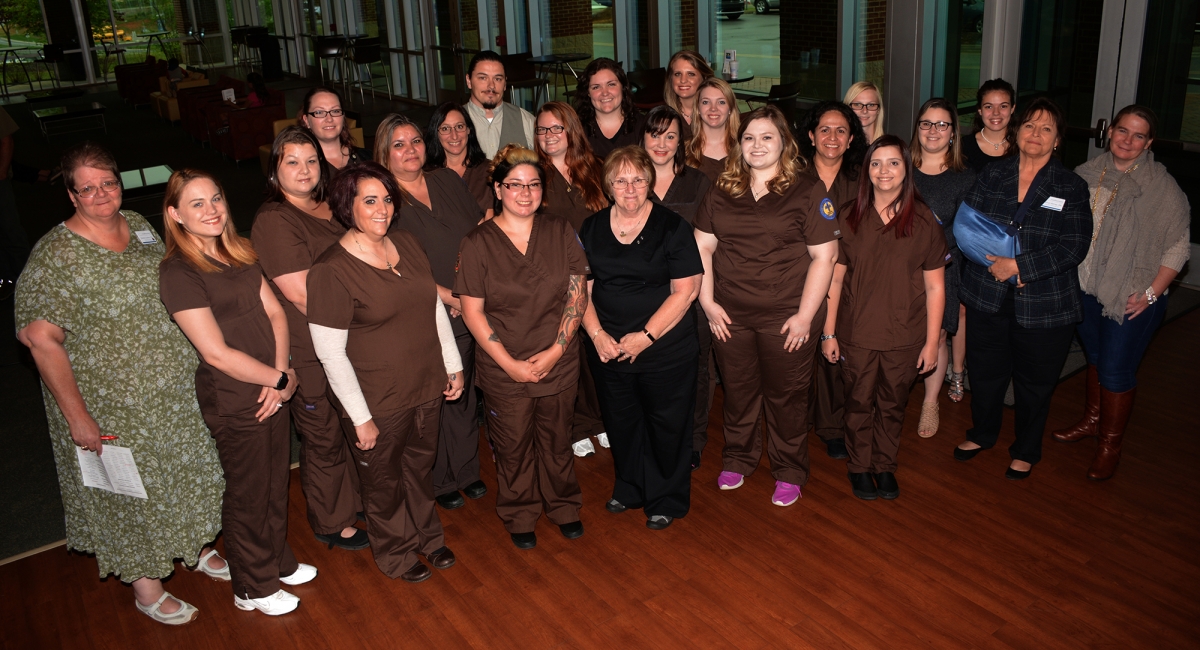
455	41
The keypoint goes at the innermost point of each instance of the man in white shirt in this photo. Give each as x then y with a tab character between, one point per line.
497	122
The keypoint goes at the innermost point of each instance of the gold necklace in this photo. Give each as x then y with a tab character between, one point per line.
633	228
1112	197
384	258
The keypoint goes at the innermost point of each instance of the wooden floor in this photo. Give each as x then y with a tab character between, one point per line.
964	558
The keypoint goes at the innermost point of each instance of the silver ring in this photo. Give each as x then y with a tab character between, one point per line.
279	405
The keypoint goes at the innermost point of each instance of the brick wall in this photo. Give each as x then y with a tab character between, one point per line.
570	17
688	24
874	30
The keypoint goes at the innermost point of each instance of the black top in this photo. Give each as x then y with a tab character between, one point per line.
631	281
942	193
976	159
602	146
685	194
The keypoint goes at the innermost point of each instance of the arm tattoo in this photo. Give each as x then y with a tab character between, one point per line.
577	302
494	337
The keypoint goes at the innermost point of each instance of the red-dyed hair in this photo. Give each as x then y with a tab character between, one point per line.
906	203
586	171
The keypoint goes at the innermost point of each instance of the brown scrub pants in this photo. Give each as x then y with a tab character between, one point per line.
457	462
827	403
706	379
586	421
535	468
256	457
877	388
327	475
759	375
397	490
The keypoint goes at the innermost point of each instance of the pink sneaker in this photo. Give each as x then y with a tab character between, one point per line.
785	494
730	480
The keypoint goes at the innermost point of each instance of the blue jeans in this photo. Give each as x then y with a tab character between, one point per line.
1116	349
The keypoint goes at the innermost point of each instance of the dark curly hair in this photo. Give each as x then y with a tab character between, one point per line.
852	160
583	102
344	188
435	155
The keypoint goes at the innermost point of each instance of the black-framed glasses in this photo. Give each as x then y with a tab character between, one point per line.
925	125
543	130
337	112
517	187
447	128
620	184
89	191
858	106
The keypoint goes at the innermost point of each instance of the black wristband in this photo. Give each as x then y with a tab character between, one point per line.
648	335
283	381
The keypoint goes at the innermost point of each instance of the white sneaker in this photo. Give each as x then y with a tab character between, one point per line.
584	448
602	438
304	573
277	604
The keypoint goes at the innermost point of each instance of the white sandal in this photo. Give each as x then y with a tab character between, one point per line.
186	613
220	575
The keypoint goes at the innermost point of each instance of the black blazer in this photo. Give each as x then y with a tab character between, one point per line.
1053	243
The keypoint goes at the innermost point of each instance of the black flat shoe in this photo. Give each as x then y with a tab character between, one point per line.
886	485
451	501
356	542
862	485
615	507
966	454
695	460
443	558
418	573
659	522
836	449
475	490
524	540
1016	474
573	530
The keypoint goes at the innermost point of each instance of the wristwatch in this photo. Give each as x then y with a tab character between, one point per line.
283	381
826	337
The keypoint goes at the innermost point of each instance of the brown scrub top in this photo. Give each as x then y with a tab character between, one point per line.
478	180
711	167
762	258
883	294
602	146
440	229
563	200
685	194
233	296
288	240
393	342
841	192
524	297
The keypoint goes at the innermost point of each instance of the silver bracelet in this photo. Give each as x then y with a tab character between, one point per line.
826	337
1150	297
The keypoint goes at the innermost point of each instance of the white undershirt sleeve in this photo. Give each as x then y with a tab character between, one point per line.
450	356
330	345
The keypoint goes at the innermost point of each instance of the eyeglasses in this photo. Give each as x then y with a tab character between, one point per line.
517	187
621	184
858	106
543	130
89	191
925	125
447	128
337	112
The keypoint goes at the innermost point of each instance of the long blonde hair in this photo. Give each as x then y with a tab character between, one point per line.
856	90
695	146
696	61
237	250
736	178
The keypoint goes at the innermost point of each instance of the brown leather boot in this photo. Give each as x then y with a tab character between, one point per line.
1114	415
1087	425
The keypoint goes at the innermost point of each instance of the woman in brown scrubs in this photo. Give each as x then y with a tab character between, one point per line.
450	143
521	282
604	103
834	150
387	346
681	189
214	289
767	236
717	133
291	229
573	192
885	311
436	210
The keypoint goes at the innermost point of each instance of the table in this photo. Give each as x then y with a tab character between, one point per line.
555	62
741	79
49	117
156	36
145	183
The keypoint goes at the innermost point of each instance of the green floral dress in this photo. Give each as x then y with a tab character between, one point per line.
136	372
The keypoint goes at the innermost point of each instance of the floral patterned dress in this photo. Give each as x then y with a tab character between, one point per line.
136	372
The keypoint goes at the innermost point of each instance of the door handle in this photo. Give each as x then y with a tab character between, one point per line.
1101	133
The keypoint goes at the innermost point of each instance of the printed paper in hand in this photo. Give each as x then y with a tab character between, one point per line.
114	470
228	95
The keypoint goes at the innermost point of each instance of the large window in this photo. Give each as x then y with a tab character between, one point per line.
755	36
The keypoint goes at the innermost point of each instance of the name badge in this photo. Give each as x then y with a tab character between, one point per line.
146	236
1054	203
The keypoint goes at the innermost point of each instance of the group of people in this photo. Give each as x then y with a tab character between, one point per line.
592	271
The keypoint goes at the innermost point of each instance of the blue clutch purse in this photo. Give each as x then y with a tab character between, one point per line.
978	236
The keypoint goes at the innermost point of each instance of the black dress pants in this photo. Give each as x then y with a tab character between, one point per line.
650	418
999	349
